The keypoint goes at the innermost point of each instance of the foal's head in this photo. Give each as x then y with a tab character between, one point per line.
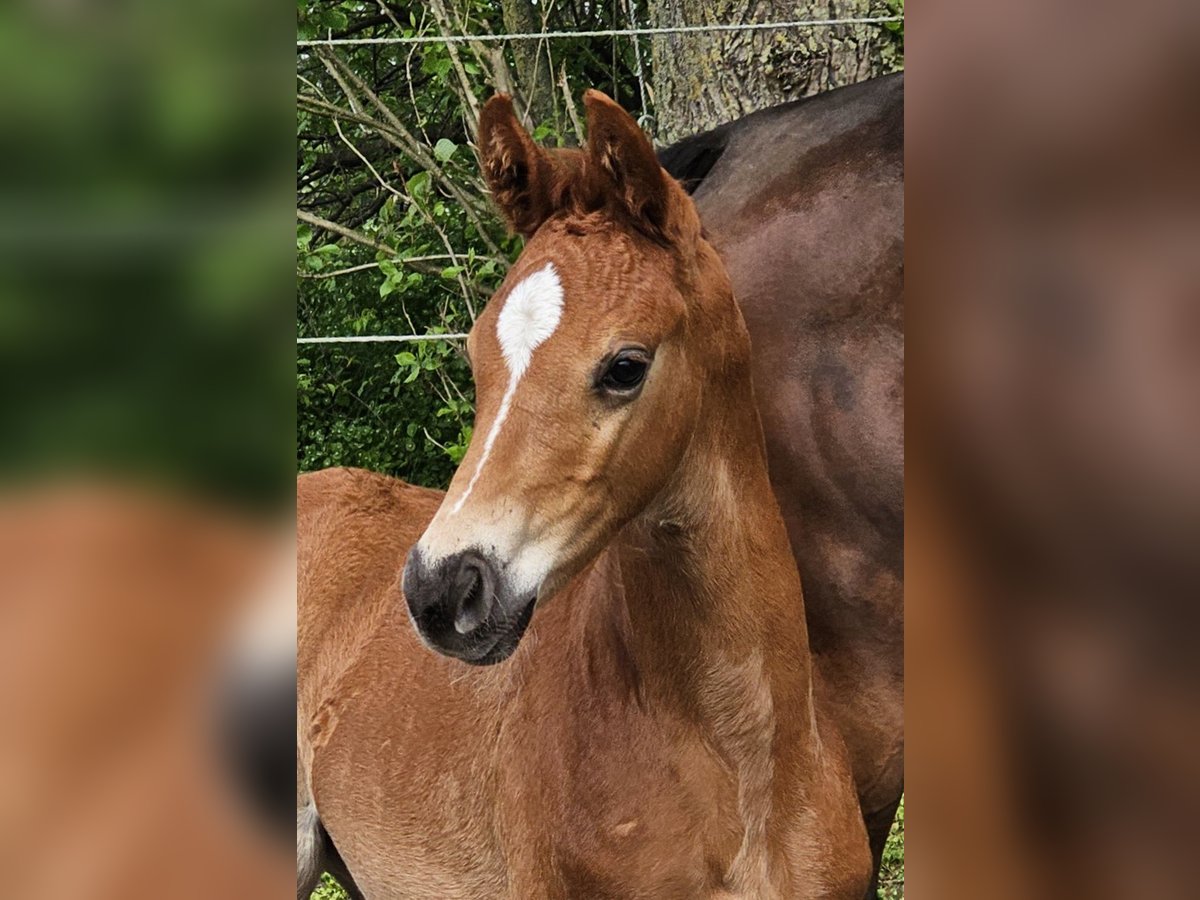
589	363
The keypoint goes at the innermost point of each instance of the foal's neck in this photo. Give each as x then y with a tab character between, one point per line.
713	596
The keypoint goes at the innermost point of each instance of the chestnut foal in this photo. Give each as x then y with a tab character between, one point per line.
659	733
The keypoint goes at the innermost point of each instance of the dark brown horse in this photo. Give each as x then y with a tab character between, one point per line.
657	730
804	202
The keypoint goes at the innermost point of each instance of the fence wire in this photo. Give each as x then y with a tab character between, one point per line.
381	339
611	32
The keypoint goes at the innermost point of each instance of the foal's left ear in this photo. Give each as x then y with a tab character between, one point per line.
524	179
621	149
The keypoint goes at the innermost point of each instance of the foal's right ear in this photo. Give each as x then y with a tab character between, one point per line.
521	175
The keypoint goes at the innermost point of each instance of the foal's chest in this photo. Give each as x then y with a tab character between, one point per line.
614	811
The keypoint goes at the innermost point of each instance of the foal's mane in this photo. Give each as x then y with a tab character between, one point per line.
691	159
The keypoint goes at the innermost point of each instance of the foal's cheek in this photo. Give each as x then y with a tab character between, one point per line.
646	455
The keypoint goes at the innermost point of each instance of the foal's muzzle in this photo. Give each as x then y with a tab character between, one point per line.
461	606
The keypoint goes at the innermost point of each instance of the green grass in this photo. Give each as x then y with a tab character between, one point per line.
891	877
328	890
891	874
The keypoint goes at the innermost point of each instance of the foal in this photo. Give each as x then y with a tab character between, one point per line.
658	733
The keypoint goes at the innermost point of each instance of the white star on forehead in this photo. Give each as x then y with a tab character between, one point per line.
530	315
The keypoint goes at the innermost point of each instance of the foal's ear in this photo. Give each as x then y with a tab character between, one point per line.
621	150
521	175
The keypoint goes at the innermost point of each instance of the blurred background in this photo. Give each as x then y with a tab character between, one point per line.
1053	449
146	352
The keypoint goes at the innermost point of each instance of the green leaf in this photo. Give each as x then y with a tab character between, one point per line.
333	19
418	185
444	149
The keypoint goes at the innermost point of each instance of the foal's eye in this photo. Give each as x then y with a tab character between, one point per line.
625	371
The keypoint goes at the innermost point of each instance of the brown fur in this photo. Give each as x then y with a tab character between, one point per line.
659	732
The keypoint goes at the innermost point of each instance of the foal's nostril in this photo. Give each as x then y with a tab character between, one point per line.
451	600
474	594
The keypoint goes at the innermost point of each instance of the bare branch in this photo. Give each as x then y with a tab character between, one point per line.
359	238
572	110
407	260
471	206
465	92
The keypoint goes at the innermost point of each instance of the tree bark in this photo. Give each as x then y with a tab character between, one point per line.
704	80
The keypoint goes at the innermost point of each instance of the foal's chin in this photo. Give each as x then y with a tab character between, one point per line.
494	641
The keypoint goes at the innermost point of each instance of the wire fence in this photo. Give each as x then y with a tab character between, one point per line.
611	32
382	338
713	28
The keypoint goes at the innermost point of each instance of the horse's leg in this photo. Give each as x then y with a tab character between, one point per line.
315	854
879	826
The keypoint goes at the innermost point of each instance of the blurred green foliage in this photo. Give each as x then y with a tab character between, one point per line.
145	303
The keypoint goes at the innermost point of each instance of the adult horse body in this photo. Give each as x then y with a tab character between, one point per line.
804	202
659	733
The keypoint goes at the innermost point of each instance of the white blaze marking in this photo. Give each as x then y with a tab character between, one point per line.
530	315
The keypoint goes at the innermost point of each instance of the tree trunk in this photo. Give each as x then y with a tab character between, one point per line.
706	79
